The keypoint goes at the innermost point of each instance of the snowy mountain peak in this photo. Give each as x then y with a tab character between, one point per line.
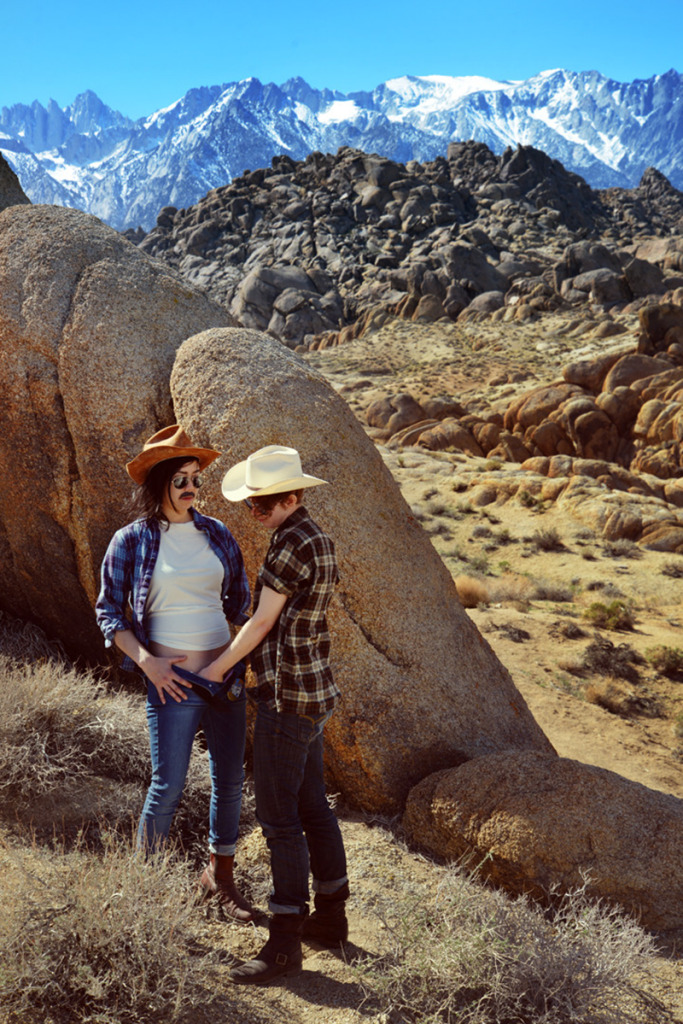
90	156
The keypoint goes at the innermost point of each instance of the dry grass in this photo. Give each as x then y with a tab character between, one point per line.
473	956
471	591
60	727
666	660
616	696
95	939
59	723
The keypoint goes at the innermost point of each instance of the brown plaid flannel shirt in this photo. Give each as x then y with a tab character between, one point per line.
293	660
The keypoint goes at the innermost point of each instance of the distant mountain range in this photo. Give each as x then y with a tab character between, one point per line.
123	171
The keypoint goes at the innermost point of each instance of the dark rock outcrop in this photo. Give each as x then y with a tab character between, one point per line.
11	192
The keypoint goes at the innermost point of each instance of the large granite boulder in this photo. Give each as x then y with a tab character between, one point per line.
535	822
89	327
422	689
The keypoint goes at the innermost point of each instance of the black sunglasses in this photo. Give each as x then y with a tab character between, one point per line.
183	479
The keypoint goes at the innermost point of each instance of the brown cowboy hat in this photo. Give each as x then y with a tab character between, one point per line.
170	443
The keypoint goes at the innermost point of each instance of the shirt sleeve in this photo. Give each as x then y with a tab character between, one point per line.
285	570
237	598
116	582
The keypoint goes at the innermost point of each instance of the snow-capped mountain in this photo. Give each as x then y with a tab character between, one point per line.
89	156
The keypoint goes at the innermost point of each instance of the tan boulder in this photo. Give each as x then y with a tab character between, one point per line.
533	821
89	326
590	373
394	413
629	369
621	405
421	687
533	407
656	320
429	309
596	436
450	433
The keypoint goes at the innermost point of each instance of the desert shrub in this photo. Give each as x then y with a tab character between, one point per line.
622	548
471	591
26	642
568	630
616	615
438	507
606	587
529	500
613	695
474	956
546	590
604	658
482	531
667	660
105	938
673	569
511	587
547	540
437	528
58	723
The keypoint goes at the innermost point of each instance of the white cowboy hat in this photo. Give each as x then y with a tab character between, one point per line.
270	470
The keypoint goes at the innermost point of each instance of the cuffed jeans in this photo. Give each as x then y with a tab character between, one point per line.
172	728
300	827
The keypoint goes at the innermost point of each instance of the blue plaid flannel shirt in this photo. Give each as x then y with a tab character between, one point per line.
127	571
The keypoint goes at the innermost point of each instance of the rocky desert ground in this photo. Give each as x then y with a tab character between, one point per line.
540	569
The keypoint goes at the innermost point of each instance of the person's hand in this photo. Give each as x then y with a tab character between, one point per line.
160	673
212	673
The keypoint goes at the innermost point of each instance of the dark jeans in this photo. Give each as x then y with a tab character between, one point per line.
172	728
299	825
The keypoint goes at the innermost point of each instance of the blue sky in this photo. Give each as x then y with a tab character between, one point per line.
139	55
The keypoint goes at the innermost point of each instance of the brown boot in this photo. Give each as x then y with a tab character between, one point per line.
281	955
217	883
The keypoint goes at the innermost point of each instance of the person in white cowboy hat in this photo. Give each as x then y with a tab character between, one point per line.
171	582
289	644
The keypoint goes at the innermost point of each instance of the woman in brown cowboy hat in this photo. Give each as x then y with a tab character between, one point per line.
171	582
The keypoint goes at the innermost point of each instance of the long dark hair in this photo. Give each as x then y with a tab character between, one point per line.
147	498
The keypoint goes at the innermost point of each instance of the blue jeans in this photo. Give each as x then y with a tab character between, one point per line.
300	827
172	728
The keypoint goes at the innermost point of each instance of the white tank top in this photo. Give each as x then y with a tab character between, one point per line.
184	605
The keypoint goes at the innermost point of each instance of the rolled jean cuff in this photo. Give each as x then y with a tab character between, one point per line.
284	908
327	888
223	849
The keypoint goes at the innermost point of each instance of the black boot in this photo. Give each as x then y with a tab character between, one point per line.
327	925
281	955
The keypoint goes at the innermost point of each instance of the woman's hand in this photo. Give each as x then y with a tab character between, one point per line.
160	673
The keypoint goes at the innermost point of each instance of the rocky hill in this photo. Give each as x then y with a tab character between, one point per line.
316	247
